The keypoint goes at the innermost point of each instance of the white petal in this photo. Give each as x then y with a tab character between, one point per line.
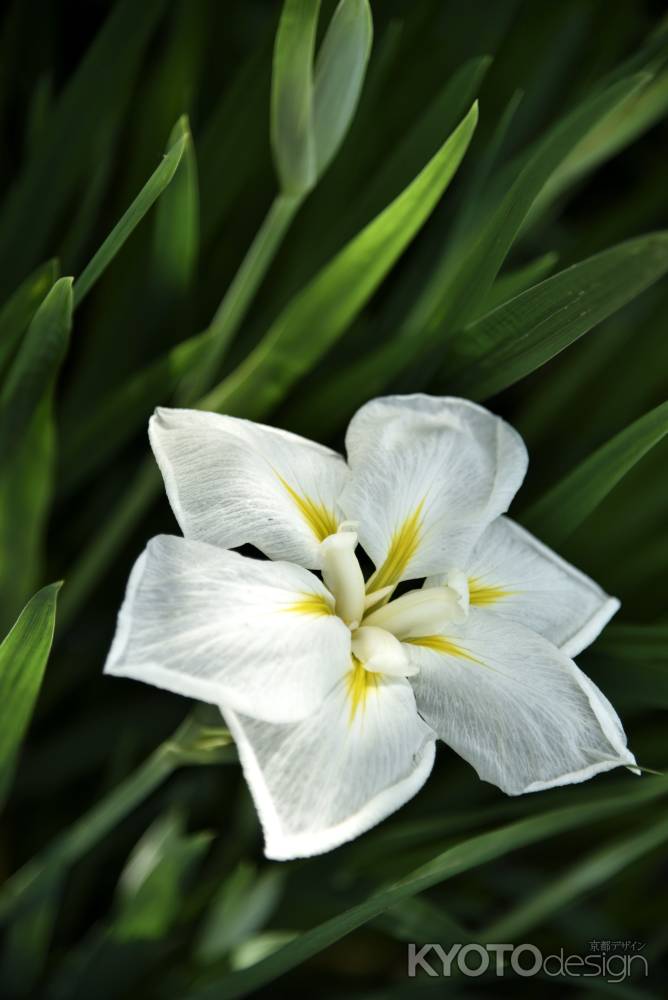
232	482
380	652
428	475
516	576
323	781
214	625
515	707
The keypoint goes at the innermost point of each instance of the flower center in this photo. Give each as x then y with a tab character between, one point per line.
378	624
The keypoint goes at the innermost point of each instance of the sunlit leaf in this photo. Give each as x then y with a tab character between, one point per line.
311	323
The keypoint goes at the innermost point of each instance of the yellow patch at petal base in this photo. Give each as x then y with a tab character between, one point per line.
481	594
319	518
441	644
311	604
403	547
359	682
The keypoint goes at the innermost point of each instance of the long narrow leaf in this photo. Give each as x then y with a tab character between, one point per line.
566	505
42	194
23	656
20	308
176	233
292	135
339	75
516	338
35	365
599	867
152	190
312	322
461	857
458	284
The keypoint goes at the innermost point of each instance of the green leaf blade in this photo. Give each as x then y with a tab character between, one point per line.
151	191
519	336
473	276
176	233
36	364
23	656
335	296
456	859
572	500
20	308
292	134
339	75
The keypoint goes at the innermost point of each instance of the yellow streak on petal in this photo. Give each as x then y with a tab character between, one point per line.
359	682
441	644
312	604
319	518
480	594
403	546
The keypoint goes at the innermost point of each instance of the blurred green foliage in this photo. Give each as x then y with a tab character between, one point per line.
472	203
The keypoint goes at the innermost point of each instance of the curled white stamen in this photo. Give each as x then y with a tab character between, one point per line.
420	612
380	652
343	575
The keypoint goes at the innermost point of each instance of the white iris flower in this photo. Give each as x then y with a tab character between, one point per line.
335	690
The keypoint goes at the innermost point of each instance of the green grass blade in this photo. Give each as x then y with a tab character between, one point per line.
563	509
518	337
513	283
176	233
35	365
460	282
25	498
236	302
23	656
151	191
42	194
423	139
481	264
616	131
20	308
292	134
311	323
339	74
461	857
597	868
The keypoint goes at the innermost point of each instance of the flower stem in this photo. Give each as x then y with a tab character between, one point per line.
237	300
